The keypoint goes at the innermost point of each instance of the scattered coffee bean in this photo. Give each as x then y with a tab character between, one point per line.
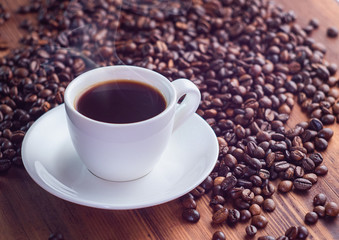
269	205
292	232
311	218
332	32
285	186
191	215
259	221
321	170
320	210
219	235
251	230
319	199
331	209
302	232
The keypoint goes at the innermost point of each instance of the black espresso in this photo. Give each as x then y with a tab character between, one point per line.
121	101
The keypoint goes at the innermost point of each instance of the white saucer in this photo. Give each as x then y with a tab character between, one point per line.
50	159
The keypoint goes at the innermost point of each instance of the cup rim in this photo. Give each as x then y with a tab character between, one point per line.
69	103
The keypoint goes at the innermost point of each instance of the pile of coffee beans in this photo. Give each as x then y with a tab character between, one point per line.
250	59
322	209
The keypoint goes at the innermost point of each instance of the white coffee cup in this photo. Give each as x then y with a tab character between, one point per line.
127	151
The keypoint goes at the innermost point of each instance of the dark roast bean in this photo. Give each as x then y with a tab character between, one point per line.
269	205
320	210
321	170
245	215
292	232
228	183
312	177
331	209
198	192
319	199
302	232
191	215
320	143
311	218
317	158
326	133
332	32
233	216
219	235
220	216
189	203
302	184
259	221
255	209
251	230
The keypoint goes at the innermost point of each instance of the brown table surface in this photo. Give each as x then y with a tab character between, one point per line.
29	212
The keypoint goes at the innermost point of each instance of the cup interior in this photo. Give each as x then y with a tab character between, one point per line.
91	78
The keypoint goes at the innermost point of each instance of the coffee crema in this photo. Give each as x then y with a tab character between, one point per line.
121	101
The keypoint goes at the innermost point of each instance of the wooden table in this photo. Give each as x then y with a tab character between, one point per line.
29	212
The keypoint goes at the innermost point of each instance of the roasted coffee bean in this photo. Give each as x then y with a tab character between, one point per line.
251	230
245	215
320	210
219	235
302	232
312	177
228	183
321	170
326	133
198	192
268	189
308	164
233	216
255	209
317	158
302	184
218	199
332	32
191	215
207	184
319	199
258	199
320	143
299	172
292	232
331	209
259	221
311	218
247	195
189	203
220	216
282	238
269	205
281	166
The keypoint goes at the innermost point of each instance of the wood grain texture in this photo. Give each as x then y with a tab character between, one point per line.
29	212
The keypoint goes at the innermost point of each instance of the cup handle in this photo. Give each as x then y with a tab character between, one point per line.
189	104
